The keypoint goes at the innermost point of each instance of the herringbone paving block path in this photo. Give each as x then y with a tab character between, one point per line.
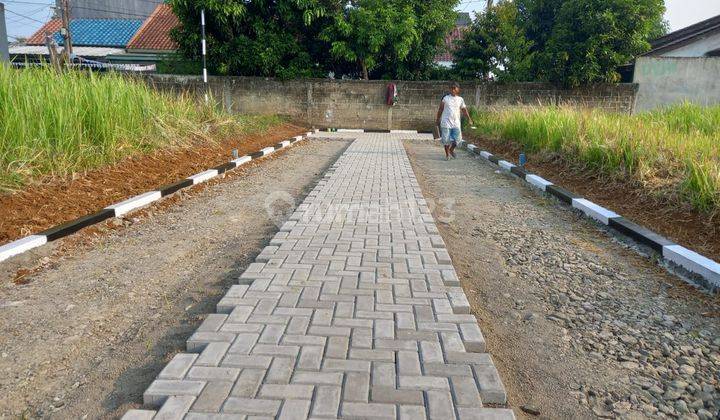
354	310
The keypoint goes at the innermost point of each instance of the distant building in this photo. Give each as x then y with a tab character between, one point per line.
446	56
681	67
699	40
112	35
110	9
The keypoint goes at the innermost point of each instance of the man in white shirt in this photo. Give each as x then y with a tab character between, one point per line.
448	118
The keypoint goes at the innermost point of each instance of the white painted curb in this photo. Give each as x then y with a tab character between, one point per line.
267	150
538	182
285	143
485	154
21	245
133	203
241	160
298	138
693	262
350	130
505	165
594	211
471	147
203	176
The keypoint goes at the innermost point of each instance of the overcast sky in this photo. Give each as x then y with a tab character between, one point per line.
680	13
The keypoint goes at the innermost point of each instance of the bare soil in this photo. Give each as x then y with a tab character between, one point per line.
579	325
100	313
53	201
682	224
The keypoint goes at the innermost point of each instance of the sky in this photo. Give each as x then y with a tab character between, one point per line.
680	13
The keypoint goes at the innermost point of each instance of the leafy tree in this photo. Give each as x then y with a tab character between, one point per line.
257	38
591	38
569	42
495	46
364	30
434	20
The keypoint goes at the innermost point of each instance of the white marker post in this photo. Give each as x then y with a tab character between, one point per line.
204	53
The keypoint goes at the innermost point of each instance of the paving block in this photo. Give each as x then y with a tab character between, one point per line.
175	408
161	389
139	415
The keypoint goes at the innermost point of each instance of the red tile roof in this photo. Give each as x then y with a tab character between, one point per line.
38	38
446	53
154	34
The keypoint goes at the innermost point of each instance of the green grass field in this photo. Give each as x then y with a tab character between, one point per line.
57	124
674	152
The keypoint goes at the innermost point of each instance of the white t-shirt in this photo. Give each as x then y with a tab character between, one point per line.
451	112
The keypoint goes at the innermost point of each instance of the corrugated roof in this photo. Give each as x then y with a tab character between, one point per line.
154	35
81	51
38	38
684	36
101	32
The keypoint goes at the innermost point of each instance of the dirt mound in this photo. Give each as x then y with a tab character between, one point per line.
56	200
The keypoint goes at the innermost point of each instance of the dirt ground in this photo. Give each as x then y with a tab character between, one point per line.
579	325
682	224
52	201
89	330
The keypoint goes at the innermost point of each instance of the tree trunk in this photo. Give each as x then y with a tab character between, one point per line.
366	76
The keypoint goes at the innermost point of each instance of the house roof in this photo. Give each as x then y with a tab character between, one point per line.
684	36
154	35
38	38
101	32
81	51
463	19
446	52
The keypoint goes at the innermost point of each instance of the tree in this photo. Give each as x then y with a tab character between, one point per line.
256	38
567	42
362	31
434	21
495	46
591	38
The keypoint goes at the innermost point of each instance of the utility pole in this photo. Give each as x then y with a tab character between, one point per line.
204	53
4	51
50	44
489	5
65	31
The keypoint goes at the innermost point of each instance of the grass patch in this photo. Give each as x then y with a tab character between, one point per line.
672	152
58	124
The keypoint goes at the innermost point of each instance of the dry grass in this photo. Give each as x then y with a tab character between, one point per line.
674	152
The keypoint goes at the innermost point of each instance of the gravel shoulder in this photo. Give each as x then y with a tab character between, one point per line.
579	325
98	317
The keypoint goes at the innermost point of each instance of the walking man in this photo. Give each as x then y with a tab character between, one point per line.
448	119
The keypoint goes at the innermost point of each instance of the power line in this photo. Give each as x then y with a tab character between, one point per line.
110	11
28	2
26	17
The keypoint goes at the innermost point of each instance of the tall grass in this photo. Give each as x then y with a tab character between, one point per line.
57	124
674	152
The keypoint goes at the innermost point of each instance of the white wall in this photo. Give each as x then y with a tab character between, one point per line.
697	48
665	81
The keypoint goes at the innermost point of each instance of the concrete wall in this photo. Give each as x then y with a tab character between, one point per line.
665	81
698	48
111	9
361	104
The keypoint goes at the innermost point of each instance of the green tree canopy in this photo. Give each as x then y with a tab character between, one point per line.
302	38
569	42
